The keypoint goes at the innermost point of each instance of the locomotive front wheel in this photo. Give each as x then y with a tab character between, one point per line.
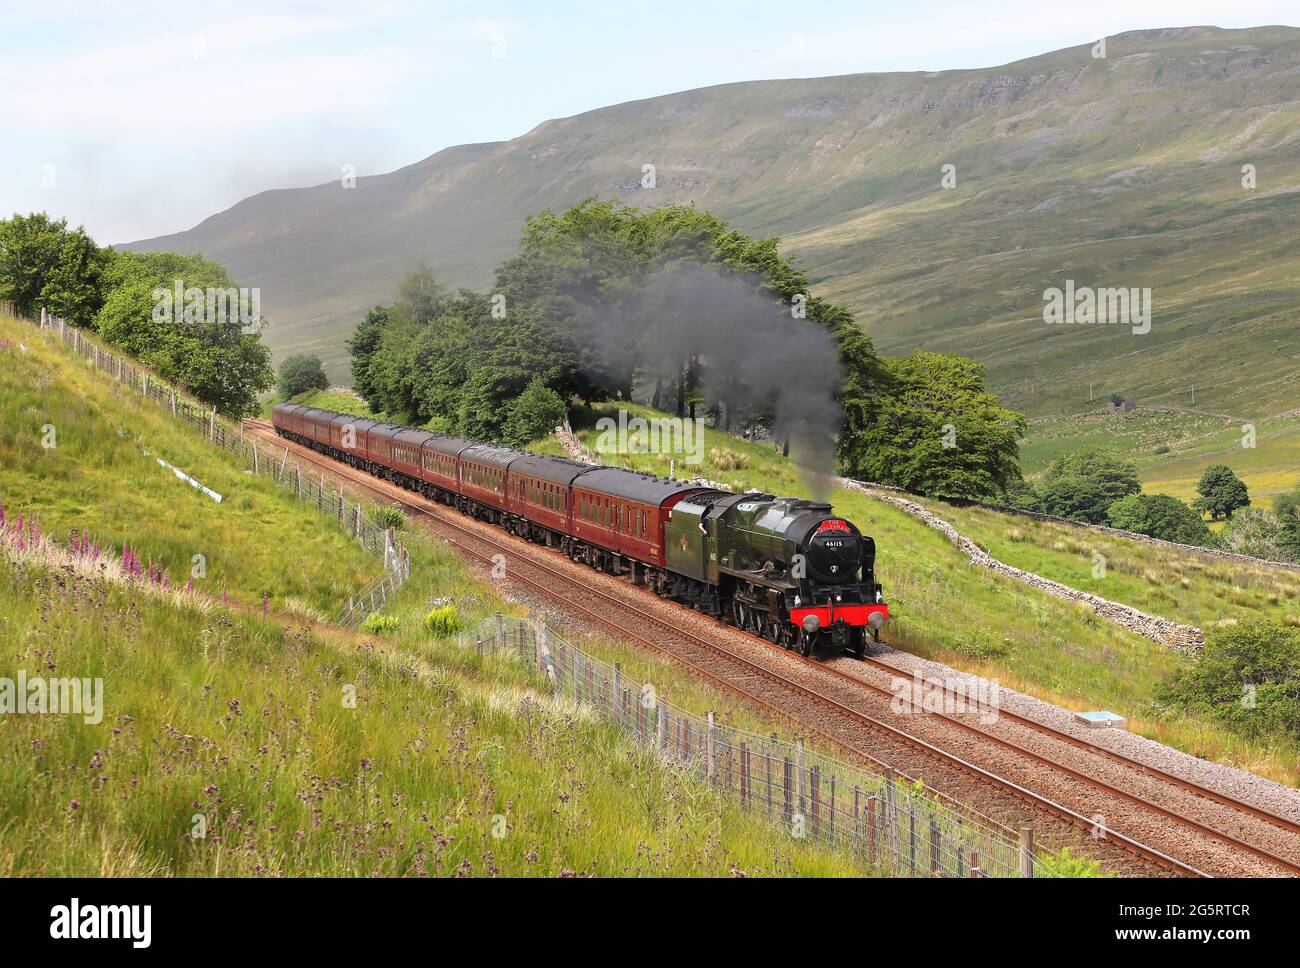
806	644
860	644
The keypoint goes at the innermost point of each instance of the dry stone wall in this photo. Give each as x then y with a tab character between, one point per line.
1184	638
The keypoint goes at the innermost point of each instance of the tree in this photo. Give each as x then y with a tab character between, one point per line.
595	306
535	413
1083	485
213	358
42	263
1254	532
937	430
74	289
361	346
299	373
1222	492
1263	656
1159	516
1287	509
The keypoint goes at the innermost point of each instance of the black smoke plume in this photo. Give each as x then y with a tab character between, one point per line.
737	347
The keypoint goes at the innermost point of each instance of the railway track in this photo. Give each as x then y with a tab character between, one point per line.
740	675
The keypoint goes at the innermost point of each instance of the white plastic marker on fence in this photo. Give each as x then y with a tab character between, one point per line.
185	477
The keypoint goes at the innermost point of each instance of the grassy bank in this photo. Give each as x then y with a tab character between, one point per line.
73	453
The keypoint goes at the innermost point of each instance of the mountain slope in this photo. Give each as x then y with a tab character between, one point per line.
1122	171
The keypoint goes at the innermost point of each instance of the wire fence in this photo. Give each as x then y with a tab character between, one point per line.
372	534
897	827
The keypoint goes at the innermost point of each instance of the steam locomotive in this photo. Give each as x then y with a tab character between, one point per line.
784	568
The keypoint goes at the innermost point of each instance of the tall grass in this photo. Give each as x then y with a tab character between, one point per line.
233	744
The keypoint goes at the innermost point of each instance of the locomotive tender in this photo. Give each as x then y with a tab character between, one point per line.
784	568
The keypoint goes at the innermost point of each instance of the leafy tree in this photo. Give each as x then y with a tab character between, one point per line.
1083	485
1159	516
1287	509
362	344
589	308
299	373
215	359
535	413
1023	495
1259	660
42	263
75	288
937	430
1255	532
1222	492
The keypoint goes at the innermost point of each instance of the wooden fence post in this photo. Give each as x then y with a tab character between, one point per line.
500	638
934	846
815	796
799	777
1026	851
710	756
544	650
787	781
871	828
911	838
744	775
890	817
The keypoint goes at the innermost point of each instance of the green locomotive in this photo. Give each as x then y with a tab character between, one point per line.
785	568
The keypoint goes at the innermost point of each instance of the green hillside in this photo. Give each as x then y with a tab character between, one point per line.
1122	171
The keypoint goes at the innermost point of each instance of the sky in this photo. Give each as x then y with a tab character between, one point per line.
138	118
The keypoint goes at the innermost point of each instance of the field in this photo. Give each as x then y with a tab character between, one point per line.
334	398
974	620
1172	449
231	717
